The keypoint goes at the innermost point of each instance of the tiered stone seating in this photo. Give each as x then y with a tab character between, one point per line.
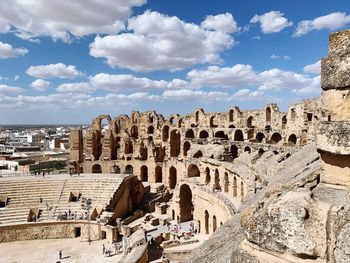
25	193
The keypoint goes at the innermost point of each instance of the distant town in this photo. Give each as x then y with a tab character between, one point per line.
35	149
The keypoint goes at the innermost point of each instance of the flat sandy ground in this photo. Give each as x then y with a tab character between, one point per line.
46	251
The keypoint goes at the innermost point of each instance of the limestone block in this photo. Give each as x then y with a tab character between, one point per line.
339	43
337	103
334	137
335	72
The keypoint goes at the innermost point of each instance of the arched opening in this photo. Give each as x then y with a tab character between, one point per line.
217	185
158	177
198	154
134	132
96	145
150	130
275	138
242	191
96	169
232	126
189	134
221	134
214	224
247	149
231	115
234	186
186	205
268	128
207	175
128	147
212	122
203	135
187	147
165	133
175	143
144	173
226	182
284	122
250	122
159	154
143	152
129	169
173	121
197	116
260	137
172	177
268	114
193	171
206	220
234	151
238	135
292	139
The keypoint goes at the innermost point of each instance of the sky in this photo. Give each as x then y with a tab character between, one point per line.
66	62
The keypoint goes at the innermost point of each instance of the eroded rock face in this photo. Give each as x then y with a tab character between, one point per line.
342	250
279	224
334	137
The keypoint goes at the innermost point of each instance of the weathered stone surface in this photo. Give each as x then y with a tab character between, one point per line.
334	137
339	43
335	72
342	249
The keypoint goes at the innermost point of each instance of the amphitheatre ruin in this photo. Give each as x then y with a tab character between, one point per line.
235	186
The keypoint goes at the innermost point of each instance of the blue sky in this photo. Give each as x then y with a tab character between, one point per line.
69	61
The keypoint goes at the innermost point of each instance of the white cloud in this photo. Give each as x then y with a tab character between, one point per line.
16	77
331	21
222	22
114	83
78	87
159	42
313	68
58	70
40	84
274	56
6	90
7	51
271	22
64	19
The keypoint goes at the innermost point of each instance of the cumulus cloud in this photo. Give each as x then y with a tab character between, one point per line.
331	21
40	84
58	70
158	42
271	22
64	19
78	87
222	22
114	83
313	68
7	90
274	56
7	51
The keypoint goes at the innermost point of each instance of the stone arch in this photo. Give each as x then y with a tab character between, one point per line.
230	114
129	169
175	142
165	133
214	223
217	185
198	154
193	171
206	222
134	132
221	134
268	114
173	120
150	130
238	136
207	175
172	177
128	147
203	134
159	154
144	173
234	151
96	169
275	138
187	147
234	186
189	134
242	190
226	182
284	122
292	139
143	152
247	149
186	205
251	122
158	175
260	137
135	117
212	122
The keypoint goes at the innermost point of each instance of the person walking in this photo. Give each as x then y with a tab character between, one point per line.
60	254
